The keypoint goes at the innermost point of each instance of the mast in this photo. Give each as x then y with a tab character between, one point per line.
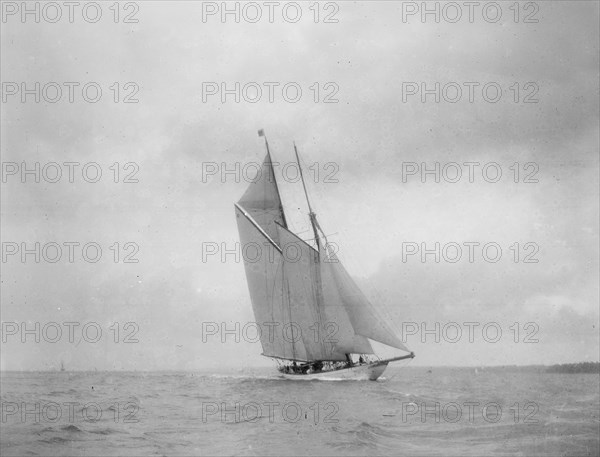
261	132
317	272
355	301
311	213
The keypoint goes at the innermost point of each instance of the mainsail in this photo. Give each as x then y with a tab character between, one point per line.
306	304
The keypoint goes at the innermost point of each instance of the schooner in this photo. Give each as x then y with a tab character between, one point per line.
312	316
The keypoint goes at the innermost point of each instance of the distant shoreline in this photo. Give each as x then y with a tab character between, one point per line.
566	368
581	367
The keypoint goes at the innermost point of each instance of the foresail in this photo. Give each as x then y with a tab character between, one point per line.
262	201
325	327
348	341
365	318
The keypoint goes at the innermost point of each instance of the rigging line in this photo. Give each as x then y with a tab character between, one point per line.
312	214
303	231
316	190
407	363
302	179
313	191
324	234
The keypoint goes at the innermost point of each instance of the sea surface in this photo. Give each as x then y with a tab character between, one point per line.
409	411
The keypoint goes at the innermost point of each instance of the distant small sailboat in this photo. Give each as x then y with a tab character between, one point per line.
62	366
312	316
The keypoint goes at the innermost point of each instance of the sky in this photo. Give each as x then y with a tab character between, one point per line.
369	142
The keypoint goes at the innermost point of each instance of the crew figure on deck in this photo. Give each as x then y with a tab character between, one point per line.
348	360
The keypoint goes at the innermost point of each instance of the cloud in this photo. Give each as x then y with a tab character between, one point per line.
369	211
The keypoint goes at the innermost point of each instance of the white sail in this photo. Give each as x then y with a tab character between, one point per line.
268	293
347	337
262	201
326	329
365	318
304	301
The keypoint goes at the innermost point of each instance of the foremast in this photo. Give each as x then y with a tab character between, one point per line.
320	250
311	214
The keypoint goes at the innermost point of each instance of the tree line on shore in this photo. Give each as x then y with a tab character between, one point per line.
581	367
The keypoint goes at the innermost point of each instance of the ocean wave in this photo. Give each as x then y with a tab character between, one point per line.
106	431
55	440
71	428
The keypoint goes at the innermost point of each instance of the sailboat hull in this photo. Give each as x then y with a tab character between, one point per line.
367	372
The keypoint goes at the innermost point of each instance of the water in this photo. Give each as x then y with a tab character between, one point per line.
409	411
